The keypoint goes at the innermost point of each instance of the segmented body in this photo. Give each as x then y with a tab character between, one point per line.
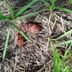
29	27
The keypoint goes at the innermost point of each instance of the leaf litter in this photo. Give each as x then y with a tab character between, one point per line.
36	56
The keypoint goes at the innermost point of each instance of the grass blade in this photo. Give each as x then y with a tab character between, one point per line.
56	60
45	2
20	31
65	34
25	8
9	8
2	17
69	2
67	51
52	1
29	15
59	65
64	9
65	42
6	44
66	69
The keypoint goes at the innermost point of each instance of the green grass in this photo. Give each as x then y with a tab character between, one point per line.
69	2
65	34
9	8
56	60
23	9
65	42
3	17
59	64
29	15
13	16
67	52
64	9
52	6
20	31
6	44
